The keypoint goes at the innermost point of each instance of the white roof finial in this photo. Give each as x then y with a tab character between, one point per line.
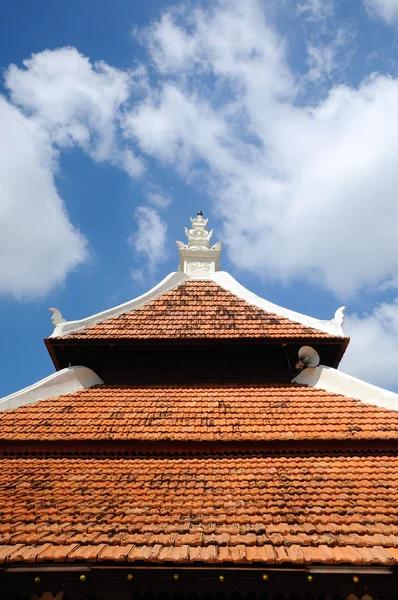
198	236
198	258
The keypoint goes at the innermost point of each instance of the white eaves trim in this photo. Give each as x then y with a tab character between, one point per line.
63	382
223	279
331	380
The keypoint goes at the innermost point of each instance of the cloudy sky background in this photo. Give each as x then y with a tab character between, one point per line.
119	120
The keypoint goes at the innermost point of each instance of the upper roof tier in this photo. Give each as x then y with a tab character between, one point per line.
200	309
199	301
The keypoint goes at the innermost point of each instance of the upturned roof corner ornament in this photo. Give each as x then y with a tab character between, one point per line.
339	316
198	258
56	318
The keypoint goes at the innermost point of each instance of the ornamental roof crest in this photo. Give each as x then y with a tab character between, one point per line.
198	258
198	236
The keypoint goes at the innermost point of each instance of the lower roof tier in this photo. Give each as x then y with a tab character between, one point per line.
254	509
199	413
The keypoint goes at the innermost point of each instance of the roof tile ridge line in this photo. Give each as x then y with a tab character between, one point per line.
170	282
332	327
66	381
337	382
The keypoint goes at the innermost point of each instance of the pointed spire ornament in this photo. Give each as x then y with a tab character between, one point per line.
198	236
198	258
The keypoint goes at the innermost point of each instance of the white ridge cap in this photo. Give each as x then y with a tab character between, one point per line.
331	380
63	382
332	327
170	282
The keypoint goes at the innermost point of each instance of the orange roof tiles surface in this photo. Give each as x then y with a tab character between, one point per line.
200	412
198	309
325	507
271	509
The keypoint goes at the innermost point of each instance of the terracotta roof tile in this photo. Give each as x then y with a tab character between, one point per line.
207	509
7	549
199	412
25	553
115	553
198	309
55	553
87	553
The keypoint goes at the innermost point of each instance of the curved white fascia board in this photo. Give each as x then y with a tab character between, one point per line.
333	327
168	283
331	380
63	382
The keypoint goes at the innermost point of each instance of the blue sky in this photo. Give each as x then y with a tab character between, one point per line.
121	119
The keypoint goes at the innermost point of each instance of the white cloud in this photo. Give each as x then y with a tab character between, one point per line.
386	9
325	58
231	39
305	191
148	241
178	129
373	351
129	162
76	102
63	100
38	244
316	9
157	197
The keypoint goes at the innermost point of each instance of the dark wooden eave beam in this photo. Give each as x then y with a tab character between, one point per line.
175	447
59	347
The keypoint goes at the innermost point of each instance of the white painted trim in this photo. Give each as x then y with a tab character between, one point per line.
168	283
226	281
63	382
331	380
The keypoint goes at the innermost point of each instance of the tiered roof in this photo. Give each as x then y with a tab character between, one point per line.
199	472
